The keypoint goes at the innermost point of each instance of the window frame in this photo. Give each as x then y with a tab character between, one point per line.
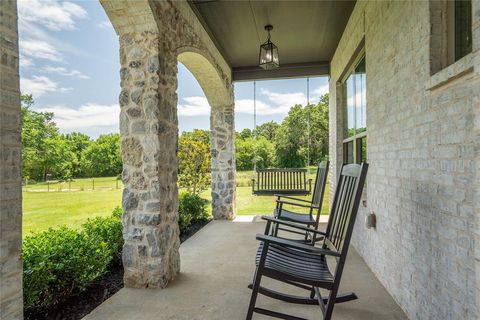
443	35
356	138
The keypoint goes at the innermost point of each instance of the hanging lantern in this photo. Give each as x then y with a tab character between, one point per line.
268	58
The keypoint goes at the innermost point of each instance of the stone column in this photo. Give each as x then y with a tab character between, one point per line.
149	137
222	140
11	302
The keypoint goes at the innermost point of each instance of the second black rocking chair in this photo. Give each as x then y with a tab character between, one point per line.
314	205
305	266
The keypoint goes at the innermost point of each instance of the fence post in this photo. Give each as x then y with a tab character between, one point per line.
93	183
48	186
116	182
26	184
70	185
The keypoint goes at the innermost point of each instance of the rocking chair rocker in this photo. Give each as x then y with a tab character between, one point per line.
305	266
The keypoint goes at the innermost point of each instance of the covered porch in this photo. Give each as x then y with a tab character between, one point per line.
419	131
218	264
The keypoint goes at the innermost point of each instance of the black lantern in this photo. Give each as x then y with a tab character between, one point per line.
268	58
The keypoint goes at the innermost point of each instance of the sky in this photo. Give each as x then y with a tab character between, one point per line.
69	62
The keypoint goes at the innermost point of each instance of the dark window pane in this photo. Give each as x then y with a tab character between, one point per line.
463	28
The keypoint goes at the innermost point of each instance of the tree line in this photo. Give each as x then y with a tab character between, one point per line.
49	154
286	144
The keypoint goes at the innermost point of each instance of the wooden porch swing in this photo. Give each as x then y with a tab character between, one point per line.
291	181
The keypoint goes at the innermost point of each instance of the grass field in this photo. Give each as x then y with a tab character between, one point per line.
42	209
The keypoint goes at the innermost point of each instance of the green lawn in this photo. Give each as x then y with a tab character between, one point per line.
42	210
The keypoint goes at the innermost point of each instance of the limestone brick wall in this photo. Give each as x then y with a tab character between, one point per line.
11	302
423	148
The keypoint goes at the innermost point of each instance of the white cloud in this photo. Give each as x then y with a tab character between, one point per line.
272	103
25	62
90	115
246	106
39	85
38	49
193	106
52	14
320	91
65	72
105	25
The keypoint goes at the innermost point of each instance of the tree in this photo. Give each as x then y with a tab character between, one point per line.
194	162
44	152
245	133
78	142
267	130
250	149
291	140
102	157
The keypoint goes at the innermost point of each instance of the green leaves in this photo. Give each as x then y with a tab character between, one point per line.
191	208
194	161
61	261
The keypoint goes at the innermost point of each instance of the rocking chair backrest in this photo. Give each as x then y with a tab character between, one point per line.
320	182
344	208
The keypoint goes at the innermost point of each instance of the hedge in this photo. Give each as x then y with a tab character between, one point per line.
60	262
191	208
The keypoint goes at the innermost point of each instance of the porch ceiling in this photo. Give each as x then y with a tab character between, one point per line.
306	33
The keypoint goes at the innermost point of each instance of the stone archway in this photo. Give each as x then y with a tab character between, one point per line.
222	130
153	35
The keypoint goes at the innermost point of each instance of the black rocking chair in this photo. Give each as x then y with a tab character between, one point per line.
314	205
305	266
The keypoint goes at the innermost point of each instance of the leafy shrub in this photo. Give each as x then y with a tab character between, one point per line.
109	229
60	261
192	208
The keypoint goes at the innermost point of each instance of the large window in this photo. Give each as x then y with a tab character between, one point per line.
355	142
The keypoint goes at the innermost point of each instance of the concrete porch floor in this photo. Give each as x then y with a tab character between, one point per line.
217	265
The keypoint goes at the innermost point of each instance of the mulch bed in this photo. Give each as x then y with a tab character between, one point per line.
81	304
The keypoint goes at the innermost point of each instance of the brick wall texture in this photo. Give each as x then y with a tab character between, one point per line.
423	149
10	177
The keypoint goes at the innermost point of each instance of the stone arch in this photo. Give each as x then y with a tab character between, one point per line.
219	93
153	36
207	75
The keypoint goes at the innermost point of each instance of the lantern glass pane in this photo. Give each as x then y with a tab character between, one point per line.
268	56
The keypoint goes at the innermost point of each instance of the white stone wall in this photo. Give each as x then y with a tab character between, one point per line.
423	147
11	302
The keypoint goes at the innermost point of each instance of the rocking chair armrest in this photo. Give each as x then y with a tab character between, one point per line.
289	197
295	245
293	225
311	206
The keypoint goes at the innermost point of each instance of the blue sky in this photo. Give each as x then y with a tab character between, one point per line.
69	62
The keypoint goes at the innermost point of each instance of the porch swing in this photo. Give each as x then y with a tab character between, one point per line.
289	181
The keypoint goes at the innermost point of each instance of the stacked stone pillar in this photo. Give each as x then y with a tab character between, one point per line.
149	137
222	139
